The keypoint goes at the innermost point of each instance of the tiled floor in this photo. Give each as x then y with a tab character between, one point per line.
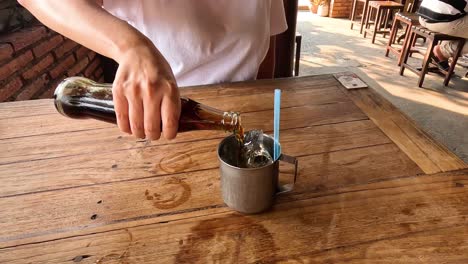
328	45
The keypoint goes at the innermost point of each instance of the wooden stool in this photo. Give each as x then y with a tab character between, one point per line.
408	19
433	38
353	14
382	9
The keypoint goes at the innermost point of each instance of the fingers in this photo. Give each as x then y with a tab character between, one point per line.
135	114
170	112
146	98
152	117
121	110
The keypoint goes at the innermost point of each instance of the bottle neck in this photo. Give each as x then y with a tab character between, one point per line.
231	121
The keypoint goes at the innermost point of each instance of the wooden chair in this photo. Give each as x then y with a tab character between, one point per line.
283	51
382	10
285	42
433	38
408	20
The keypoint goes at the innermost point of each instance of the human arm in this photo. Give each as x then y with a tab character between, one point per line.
145	91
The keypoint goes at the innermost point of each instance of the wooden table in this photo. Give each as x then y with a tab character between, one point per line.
372	186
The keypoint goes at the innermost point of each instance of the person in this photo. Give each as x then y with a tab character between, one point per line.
160	45
448	17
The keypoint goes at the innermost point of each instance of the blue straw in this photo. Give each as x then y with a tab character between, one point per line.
276	124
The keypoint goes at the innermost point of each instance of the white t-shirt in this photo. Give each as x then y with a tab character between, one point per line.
206	41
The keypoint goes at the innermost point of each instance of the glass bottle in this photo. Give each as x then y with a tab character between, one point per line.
79	97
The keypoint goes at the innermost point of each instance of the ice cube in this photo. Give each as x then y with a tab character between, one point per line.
254	153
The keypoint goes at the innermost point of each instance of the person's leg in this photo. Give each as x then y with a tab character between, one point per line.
457	28
448	48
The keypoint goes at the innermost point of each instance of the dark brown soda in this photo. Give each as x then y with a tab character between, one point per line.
80	98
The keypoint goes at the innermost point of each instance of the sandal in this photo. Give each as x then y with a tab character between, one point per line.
442	65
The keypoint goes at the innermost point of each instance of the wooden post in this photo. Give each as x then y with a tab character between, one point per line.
285	42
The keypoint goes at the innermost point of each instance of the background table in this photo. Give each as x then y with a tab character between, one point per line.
371	186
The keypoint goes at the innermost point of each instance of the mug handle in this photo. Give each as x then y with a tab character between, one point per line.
290	186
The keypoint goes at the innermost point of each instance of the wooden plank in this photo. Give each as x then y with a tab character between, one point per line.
45	124
258	86
433	246
92	208
304	116
413	208
96	141
74	143
262	100
319	82
26	108
23	126
320	93
345	168
431	156
140	162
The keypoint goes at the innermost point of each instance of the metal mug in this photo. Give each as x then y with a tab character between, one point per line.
250	190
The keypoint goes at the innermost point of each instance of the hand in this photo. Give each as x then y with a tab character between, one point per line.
145	93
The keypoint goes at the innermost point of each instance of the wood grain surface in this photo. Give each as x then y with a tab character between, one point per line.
372	186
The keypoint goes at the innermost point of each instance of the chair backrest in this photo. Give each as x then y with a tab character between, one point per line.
285	41
412	6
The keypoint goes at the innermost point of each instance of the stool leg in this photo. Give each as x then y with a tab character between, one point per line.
367	21
412	43
298	55
393	33
405	43
385	21
376	26
454	62
353	13
405	54
365	15
425	66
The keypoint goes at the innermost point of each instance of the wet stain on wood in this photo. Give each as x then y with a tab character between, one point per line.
172	193
119	258
176	162
114	258
407	211
320	188
80	258
240	243
130	235
459	184
408	226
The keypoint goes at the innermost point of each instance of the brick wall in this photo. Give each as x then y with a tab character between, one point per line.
35	59
340	8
